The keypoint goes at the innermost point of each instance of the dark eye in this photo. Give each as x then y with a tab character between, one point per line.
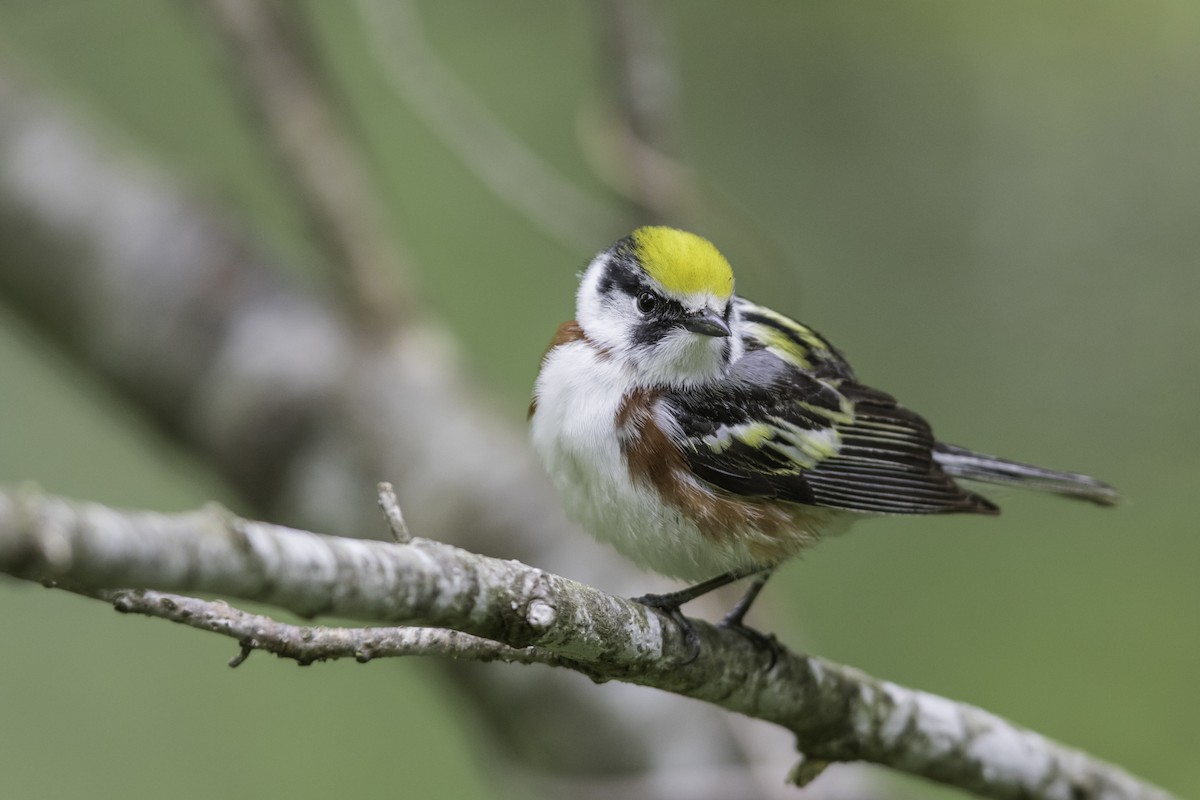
646	301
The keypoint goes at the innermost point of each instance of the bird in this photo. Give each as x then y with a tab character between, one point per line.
711	439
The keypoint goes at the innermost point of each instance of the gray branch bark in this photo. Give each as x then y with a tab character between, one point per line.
836	713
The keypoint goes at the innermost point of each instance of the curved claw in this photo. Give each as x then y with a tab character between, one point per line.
765	641
670	606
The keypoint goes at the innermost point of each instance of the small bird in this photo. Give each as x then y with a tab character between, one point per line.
710	439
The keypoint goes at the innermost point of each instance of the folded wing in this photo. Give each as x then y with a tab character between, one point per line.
772	430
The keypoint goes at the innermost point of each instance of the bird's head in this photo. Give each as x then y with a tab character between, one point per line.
661	300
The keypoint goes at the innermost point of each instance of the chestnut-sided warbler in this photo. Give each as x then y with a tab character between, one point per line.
710	439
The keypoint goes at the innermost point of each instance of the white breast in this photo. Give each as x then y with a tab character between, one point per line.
578	396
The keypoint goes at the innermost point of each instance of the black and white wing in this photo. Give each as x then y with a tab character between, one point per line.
772	430
793	342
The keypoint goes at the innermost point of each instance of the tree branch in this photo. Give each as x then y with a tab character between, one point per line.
835	712
308	644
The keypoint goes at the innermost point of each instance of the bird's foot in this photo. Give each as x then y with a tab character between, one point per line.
669	604
762	641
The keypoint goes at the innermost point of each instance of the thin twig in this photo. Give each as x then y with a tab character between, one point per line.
309	644
393	514
244	651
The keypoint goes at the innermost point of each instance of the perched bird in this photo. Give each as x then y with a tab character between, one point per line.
710	439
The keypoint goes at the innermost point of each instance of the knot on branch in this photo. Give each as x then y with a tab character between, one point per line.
540	615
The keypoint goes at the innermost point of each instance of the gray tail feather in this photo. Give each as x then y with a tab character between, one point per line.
959	462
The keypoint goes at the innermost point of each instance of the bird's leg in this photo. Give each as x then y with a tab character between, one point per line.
671	602
735	619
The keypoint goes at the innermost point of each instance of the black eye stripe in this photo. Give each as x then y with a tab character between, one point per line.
671	308
619	276
622	276
651	331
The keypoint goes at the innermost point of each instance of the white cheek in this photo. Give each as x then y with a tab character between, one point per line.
605	319
678	358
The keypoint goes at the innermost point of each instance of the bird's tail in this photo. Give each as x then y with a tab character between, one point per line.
959	462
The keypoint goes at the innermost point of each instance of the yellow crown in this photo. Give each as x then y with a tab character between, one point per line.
683	262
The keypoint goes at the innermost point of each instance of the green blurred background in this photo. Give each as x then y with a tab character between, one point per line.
994	209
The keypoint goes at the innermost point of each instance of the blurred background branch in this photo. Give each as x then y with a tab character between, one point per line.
641	151
273	65
515	174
